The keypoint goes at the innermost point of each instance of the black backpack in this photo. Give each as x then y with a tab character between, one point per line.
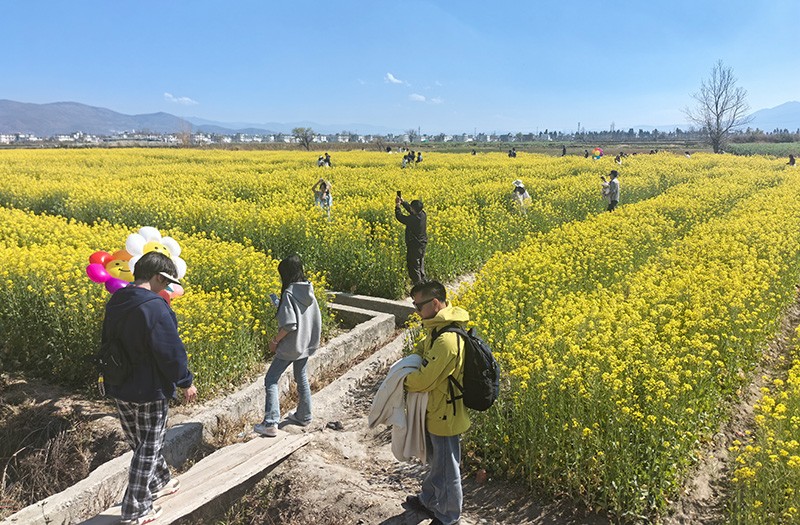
113	362
481	371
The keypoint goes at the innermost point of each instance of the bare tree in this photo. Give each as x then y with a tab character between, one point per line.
379	142
304	136
412	135
721	106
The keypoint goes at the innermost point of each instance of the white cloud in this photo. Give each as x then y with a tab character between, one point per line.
393	79
436	100
186	101
416	97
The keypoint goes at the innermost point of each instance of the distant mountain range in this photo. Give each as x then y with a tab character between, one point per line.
785	116
45	120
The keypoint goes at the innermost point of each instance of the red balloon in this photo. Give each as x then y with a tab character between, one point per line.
99	258
165	295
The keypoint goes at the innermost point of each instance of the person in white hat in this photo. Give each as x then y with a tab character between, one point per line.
521	194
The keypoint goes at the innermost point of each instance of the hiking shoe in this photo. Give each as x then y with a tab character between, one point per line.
269	431
151	516
294	419
414	503
170	488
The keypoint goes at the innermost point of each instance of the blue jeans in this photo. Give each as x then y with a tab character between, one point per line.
272	409
441	489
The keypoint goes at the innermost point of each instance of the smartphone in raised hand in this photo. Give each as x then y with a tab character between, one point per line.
275	300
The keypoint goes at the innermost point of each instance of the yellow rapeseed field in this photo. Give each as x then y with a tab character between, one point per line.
622	336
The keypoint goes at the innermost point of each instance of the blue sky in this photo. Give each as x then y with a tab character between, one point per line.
441	66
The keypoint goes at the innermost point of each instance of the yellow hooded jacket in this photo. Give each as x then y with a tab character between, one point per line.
443	358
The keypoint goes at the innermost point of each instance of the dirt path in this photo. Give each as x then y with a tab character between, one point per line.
704	498
351	476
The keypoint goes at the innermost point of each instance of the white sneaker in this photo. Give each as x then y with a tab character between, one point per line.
266	430
151	516
171	487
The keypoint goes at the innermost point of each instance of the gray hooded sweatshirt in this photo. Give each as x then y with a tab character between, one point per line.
298	314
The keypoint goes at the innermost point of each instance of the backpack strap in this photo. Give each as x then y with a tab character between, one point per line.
452	381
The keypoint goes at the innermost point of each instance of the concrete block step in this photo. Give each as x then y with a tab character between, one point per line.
217	474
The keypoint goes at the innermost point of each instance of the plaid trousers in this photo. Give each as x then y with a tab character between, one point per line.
144	425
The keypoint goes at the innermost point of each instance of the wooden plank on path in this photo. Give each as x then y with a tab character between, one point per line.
216	474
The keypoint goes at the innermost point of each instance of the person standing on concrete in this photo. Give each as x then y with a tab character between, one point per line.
446	418
416	236
146	327
299	330
613	190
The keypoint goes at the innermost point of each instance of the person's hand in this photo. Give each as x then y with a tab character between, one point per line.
273	345
398	200
190	394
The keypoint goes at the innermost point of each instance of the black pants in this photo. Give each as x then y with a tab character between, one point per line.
612	205
415	262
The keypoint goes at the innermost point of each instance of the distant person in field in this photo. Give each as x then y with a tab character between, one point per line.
521	195
328	160
563	151
586	154
791	160
604	189
320	161
618	160
416	223
409	159
688	155
474	152
299	329
419	156
322	195
613	190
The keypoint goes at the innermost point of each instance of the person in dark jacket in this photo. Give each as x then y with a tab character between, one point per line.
416	236
147	329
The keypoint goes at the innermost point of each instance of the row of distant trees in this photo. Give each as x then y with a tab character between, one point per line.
720	110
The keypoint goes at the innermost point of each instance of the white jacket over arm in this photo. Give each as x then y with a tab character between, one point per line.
404	413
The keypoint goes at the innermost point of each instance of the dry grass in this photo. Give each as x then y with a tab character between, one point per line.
44	447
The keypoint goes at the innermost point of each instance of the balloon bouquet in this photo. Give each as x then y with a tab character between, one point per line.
115	270
597	153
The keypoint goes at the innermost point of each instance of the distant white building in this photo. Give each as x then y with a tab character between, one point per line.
7	139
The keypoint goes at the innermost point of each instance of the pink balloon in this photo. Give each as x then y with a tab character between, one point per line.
97	273
176	290
113	284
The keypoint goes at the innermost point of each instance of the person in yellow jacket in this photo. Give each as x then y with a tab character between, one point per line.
446	418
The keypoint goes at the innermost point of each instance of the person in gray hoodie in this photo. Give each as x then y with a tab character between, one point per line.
299	330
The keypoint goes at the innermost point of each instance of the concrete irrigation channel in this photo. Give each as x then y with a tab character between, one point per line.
375	325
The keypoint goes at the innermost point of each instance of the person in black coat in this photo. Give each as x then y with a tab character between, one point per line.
416	223
147	330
